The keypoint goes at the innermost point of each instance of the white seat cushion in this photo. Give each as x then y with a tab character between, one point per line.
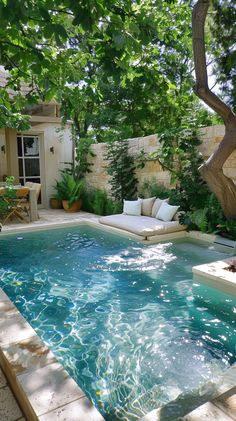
141	225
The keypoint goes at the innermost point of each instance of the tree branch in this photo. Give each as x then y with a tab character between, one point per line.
201	88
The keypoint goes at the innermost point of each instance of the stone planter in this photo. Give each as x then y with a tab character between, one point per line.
75	207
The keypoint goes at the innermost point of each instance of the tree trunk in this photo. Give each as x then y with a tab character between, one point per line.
212	169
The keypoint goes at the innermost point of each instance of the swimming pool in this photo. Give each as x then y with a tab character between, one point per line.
123	318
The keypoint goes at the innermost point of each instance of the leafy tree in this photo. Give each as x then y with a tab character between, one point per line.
212	169
224	31
75	53
145	97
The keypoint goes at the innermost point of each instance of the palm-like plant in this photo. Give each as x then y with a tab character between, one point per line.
69	188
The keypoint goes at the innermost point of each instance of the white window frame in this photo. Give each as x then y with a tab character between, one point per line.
23	157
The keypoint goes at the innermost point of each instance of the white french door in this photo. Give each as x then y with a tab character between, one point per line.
28	151
28	154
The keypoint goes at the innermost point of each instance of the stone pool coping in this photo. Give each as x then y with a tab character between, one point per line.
28	364
43	388
215	275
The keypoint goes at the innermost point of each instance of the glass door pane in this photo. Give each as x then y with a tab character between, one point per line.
31	146
28	148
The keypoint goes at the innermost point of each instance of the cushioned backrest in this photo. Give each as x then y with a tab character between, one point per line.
147	205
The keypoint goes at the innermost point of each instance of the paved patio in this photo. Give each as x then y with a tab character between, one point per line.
50	217
9	409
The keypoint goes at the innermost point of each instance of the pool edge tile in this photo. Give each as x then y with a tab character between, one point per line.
49	387
28	355
207	412
13	326
227	402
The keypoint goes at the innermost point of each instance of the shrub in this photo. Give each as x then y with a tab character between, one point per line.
7	200
207	218
97	201
227	229
151	188
179	155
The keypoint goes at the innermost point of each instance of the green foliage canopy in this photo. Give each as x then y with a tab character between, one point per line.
120	69
224	48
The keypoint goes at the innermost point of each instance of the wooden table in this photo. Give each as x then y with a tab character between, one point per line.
33	206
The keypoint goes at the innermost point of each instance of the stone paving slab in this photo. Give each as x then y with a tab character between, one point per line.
3	381
9	408
80	410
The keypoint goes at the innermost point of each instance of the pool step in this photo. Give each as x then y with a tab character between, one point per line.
221	408
225	242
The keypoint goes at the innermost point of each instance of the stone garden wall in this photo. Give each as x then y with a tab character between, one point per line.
98	178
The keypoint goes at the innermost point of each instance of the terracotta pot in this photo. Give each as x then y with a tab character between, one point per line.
75	207
55	203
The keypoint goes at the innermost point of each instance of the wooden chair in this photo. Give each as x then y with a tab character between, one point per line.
15	206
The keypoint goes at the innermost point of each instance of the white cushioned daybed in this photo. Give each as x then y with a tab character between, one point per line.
141	218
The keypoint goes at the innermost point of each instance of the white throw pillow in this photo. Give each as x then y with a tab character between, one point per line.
166	212
157	205
132	207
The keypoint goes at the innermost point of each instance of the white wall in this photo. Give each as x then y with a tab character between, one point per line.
52	163
3	160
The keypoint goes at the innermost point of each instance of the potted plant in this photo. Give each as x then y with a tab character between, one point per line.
56	200
69	190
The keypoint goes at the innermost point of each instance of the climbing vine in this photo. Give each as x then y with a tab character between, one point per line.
121	168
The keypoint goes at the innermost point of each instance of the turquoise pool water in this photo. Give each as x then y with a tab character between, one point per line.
124	319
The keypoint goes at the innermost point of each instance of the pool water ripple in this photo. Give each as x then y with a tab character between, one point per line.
124	319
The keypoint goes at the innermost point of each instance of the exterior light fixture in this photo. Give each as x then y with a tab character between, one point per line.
52	149
3	148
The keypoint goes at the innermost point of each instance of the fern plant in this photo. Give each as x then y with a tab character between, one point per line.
199	218
227	229
206	219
